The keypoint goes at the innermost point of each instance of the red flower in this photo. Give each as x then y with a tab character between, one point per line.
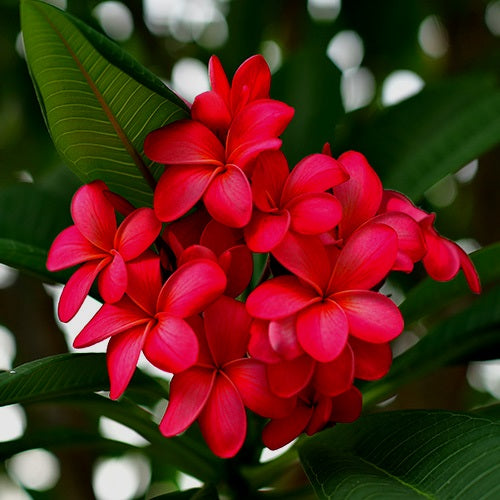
105	250
293	201
151	317
331	291
216	390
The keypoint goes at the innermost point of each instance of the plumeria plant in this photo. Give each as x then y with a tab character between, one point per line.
257	284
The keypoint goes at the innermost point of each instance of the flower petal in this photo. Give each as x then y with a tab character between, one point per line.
259	346
314	213
218	78
223	420
179	189
189	392
70	248
280	297
266	230
137	233
184	142
346	407
121	357
371	361
113	280
228	197
171	345
250	378
321	415
210	109
94	215
322	330
191	288
360	195
336	376
470	271
237	263
227	327
366	259
288	378
281	431
283	338
372	316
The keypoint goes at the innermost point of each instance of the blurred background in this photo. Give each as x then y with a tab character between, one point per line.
346	67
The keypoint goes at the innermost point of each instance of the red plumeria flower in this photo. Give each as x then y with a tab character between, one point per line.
151	318
444	258
314	412
294	201
103	249
330	293
223	382
217	107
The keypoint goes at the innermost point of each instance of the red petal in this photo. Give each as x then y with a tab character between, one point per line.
372	316
259	346
283	338
314	174
392	201
469	271
71	248
250	378
366	259
279	432
137	233
77	288
113	280
184	142
171	345
94	215
227	327
314	213
218	78
280	297
237	263
266	230
321	415
189	392
196	252
288	378
223	420
210	109
192	288
228	198
268	179
371	361
347	406
219	237
361	195
122	356
251	81
110	320
442	260
322	330
179	189
337	376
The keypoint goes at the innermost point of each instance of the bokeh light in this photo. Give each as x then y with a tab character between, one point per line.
400	85
35	469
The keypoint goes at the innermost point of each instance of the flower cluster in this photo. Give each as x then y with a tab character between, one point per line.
174	279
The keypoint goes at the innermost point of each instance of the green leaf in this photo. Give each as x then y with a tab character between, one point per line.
63	375
208	492
474	333
406	454
414	144
99	104
430	296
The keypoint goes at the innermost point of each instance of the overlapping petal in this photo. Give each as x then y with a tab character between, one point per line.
371	361
279	432
112	280
288	377
283	338
266	230
336	376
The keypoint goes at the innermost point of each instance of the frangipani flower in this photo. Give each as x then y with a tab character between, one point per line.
151	317
104	250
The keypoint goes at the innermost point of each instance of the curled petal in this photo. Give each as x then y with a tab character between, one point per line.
137	233
279	432
195	252
184	142
219	237
392	201
144	281
442	260
223	420
189	392
179	189
113	279
121	358
371	361
280	297
171	345
469	270
70	248
237	263
94	215
218	79
288	378
366	259
266	230
191	288
283	338
210	109
321	415
336	376
259	346
228	198
322	330
372	317
250	378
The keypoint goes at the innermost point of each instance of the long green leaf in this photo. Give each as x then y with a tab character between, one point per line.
471	334
414	144
98	103
406	455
